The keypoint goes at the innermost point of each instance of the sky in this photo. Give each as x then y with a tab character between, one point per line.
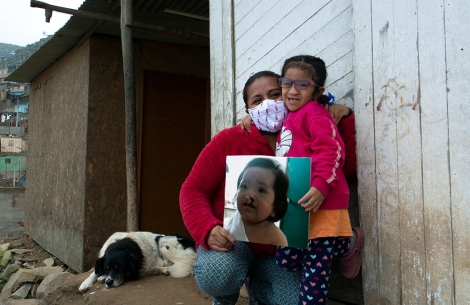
21	24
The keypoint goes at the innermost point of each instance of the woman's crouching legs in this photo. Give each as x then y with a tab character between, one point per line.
222	274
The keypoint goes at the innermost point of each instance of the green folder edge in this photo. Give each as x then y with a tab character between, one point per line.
296	221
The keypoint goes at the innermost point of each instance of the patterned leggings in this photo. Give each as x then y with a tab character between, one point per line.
316	262
222	274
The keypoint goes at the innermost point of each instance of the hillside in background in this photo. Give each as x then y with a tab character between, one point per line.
6	48
21	53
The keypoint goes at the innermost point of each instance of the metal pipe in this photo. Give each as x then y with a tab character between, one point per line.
130	114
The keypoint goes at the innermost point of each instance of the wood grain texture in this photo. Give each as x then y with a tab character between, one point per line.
458	74
404	71
435	138
221	56
366	152
243	7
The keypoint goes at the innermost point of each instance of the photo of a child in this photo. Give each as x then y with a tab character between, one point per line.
259	199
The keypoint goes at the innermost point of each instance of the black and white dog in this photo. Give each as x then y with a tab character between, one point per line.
129	255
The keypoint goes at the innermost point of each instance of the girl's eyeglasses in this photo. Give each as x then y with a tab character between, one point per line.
299	84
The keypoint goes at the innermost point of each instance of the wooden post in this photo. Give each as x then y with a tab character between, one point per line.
130	113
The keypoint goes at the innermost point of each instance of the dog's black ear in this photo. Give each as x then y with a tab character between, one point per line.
99	266
186	242
157	238
133	264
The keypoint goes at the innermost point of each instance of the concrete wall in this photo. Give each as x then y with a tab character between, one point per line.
105	202
55	196
76	175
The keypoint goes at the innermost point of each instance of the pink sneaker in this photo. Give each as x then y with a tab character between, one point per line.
350	264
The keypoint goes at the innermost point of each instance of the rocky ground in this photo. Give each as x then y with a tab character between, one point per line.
29	275
49	281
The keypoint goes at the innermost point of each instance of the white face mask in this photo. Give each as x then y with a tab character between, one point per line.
269	115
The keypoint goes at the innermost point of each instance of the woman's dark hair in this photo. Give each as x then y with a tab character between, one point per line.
254	77
312	65
281	184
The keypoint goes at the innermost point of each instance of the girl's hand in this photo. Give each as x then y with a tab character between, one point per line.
246	122
338	111
219	239
312	200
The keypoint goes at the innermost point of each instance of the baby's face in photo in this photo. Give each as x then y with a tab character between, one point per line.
256	195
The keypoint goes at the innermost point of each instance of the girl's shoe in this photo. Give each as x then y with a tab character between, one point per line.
350	263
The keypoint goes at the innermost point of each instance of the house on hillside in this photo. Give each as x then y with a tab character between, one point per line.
401	66
11	144
12	168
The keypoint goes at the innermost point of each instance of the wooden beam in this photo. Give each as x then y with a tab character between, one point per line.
130	113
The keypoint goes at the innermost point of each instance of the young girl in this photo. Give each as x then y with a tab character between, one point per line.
310	131
261	201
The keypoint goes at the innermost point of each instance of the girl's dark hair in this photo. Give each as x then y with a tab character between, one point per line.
254	77
281	184
312	65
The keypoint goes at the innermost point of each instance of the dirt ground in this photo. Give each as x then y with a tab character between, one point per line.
153	290
147	290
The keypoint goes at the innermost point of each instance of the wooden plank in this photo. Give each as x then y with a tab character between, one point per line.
403	87
267	32
259	12
242	8
237	2
386	154
339	68
366	154
343	88
458	74
259	21
435	139
327	36
221	54
330	35
338	49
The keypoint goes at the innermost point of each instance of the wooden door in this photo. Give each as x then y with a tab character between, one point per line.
175	125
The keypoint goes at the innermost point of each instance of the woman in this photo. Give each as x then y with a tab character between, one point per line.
223	264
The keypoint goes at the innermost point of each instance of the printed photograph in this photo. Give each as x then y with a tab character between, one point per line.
261	199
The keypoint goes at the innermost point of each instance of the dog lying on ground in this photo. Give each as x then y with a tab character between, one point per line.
129	255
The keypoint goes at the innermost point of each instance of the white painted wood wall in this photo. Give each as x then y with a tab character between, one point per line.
405	66
261	34
412	72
